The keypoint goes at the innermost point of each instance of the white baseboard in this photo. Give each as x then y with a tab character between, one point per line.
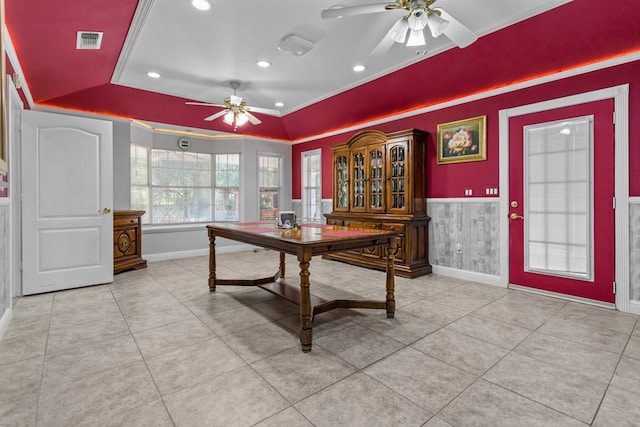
487	279
4	321
196	252
634	307
563	296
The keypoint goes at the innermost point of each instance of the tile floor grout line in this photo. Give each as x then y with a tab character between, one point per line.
44	358
613	374
538	403
146	365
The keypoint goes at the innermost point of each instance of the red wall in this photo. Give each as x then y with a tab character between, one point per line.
451	180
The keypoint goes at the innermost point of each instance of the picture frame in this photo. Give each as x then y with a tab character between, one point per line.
3	98
463	140
284	216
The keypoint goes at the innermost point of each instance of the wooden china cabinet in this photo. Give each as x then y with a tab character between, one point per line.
379	181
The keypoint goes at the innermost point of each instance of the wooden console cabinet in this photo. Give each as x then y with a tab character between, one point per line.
127	241
379	182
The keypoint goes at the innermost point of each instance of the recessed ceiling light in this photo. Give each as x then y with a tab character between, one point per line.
359	68
201	4
279	104
264	64
153	74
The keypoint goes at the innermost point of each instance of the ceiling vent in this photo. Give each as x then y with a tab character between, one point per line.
89	40
295	45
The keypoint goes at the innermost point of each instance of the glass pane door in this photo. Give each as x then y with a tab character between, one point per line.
358	202
559	198
376	180
398	177
342	181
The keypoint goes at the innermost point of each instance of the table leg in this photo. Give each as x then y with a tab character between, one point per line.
304	257
212	262
391	302
281	270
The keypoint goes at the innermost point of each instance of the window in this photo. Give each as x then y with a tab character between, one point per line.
269	186
172	186
558	188
140	181
311	186
227	187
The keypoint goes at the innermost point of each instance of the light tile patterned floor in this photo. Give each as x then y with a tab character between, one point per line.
156	348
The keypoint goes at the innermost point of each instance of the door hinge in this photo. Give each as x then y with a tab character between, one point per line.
614	288
614	117
614	203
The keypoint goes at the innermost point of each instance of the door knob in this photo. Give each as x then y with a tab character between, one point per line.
104	211
515	216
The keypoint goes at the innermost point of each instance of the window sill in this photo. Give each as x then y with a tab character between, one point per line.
172	228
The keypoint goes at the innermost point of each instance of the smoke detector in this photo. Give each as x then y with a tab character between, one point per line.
295	45
89	40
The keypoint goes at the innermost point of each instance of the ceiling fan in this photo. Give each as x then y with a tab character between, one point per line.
236	112
410	28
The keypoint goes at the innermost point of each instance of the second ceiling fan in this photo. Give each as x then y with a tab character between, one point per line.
410	28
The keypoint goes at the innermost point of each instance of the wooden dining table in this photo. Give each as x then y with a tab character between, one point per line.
305	241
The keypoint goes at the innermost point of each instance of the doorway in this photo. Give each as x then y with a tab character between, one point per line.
564	177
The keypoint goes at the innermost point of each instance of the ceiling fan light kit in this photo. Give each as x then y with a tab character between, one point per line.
410	28
437	24
416	38
399	31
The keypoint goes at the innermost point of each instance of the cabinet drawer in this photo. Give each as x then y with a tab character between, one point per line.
334	221
370	252
124	222
392	226
362	224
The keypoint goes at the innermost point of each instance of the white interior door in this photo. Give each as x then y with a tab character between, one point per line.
67	195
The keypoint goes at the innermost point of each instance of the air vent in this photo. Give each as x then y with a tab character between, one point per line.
89	40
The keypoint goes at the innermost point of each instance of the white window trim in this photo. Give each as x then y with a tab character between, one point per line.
240	186
280	174
318	152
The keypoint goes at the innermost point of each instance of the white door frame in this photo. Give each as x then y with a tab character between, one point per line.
15	192
620	95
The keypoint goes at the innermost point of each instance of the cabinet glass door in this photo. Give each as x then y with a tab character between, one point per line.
375	180
398	163
359	177
342	183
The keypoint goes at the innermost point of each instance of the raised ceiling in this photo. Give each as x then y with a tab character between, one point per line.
198	53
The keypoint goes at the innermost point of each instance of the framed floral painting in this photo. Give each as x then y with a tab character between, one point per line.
463	140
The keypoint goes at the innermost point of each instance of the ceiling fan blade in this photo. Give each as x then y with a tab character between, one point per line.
383	46
253	119
206	104
216	115
267	111
354	10
456	31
